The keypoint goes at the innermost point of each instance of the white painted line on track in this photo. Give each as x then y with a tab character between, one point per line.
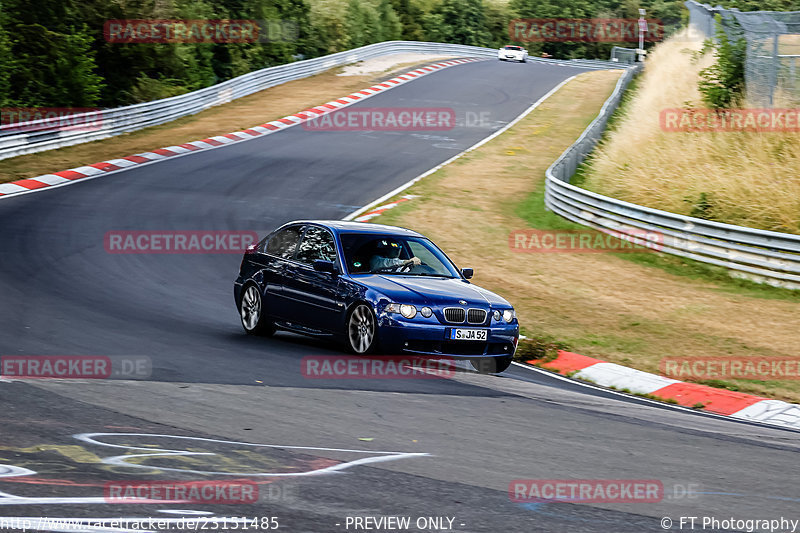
480	143
122	460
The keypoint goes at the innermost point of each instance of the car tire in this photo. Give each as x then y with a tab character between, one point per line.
361	330
251	312
525	60
492	365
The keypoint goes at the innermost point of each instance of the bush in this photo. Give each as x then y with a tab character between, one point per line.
148	89
722	84
542	348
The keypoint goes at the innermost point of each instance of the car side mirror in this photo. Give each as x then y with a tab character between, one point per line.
467	273
320	265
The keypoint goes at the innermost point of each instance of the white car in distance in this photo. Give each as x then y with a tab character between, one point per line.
512	52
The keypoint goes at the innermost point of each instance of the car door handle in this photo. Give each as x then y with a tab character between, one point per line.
295	271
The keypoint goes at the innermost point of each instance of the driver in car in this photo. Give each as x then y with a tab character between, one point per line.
388	257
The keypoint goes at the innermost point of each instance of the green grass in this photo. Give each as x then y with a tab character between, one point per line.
532	209
682	266
534	212
607	342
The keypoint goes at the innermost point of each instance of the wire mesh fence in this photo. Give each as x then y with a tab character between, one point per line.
772	65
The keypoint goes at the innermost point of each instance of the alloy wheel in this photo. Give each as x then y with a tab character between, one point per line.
361	329
251	308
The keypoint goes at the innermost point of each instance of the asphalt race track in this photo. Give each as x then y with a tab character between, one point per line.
438	448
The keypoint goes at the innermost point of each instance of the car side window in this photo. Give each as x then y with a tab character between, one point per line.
317	244
283	243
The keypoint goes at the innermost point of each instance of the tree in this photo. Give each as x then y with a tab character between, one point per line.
389	22
411	17
49	60
497	19
328	18
458	21
6	62
52	68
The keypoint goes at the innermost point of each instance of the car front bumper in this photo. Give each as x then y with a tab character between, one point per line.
401	337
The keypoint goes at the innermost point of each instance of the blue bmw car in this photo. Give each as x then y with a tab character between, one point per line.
377	289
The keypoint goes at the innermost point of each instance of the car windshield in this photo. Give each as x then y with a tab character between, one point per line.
369	253
513	47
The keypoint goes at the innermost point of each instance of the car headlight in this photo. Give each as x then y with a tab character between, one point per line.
509	315
426	312
407	310
497	315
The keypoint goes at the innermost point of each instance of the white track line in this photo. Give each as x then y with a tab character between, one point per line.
480	143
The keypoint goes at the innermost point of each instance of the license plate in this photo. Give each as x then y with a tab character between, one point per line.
468	334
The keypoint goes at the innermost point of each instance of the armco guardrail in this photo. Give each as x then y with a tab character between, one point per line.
40	135
767	256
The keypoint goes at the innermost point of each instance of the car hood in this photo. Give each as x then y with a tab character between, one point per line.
432	291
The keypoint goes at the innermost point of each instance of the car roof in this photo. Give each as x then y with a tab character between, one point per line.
342	226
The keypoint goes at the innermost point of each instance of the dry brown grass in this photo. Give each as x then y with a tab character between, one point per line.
599	304
750	179
240	114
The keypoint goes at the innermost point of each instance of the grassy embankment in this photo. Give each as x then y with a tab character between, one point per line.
745	178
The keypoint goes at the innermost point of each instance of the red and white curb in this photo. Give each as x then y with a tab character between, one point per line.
96	170
378	211
718	401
